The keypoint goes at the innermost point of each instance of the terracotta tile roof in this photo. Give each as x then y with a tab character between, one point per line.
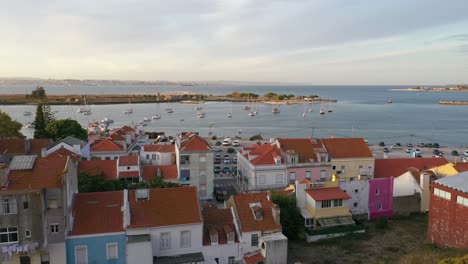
247	221
129	160
461	166
165	207
385	168
105	168
266	154
13	146
285	192
305	181
304	147
128	129
63	152
169	148
344	148
168	172
106	145
47	172
129	174
253	259
193	142
116	136
219	221
324	194
98	212
36	145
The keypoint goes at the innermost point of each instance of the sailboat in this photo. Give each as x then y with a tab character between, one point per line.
129	110
275	110
311	108
329	108
304	112
247	107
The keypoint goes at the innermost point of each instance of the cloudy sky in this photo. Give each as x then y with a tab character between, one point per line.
299	41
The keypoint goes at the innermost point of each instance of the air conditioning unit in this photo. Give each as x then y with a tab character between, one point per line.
142	193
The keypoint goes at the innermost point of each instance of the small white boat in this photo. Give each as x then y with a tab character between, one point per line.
181	120
87	112
246	107
322	112
304	114
156	117
275	110
146	119
81	110
198	108
128	111
201	115
27	113
229	115
169	110
107	120
329	108
239	131
251	114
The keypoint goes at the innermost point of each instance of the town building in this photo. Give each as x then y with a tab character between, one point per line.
448	212
167	172
158	154
35	214
104	168
128	168
194	158
72	144
11	147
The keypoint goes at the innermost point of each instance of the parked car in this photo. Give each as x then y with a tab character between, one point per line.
234	160
227	160
231	150
429	145
226	170
421	144
417	152
386	150
436	152
395	146
465	159
218	149
214	137
217	161
382	144
408	150
236	143
219	193
227	142
217	169
418	156
218	143
234	171
435	145
454	153
465	153
409	145
217	156
226	155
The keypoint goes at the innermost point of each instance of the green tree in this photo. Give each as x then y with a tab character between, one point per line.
63	128
270	95
459	260
290	217
40	123
97	183
48	115
156	182
39	93
9	128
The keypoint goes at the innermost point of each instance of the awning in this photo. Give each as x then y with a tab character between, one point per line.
305	213
180	259
336	221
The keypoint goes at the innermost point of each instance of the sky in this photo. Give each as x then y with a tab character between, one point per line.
295	41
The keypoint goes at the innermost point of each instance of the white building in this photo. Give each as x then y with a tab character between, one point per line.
158	154
75	145
129	168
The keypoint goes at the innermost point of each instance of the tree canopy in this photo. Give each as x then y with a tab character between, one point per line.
9	128
39	93
290	217
63	128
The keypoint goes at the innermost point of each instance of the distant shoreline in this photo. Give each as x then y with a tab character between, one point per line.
434	89
104	99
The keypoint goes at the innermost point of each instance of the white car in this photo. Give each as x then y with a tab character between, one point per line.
227	160
236	143
465	153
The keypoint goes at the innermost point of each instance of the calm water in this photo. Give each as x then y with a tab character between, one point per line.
361	111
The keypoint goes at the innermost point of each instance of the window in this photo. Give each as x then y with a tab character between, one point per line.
380	206
9	234
116	157
153	156
442	194
147	156
25	259
54	228
279	178
333	167
254	240
377	191
293	159
157	156
165	241
202	159
308	175
462	200
184	159
27	233
230	237
45	259
8	206
214	238
326	204
81	255
360	166
323	175
356	190
52	203
292	177
337	203
231	260
342	168
112	251
323	158
216	260
355	204
25	205
309	222
185	240
261	179
185	175
128	168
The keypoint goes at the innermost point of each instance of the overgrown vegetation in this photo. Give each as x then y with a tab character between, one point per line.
63	128
290	217
9	128
460	260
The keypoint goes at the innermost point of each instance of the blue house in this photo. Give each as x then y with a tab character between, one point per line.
97	234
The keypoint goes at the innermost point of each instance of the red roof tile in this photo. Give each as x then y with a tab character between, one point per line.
461	166
168	172
36	145
193	142
13	146
128	129
129	160
324	194
165	207
254	258
385	168
169	148
106	145
247	221
265	154
47	172
219	221
105	168
63	152
344	148
304	147
98	212
117	136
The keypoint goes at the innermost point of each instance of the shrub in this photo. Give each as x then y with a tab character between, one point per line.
381	223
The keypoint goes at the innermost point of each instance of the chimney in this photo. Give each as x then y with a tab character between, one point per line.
43	152
125	209
27	146
275	211
3	175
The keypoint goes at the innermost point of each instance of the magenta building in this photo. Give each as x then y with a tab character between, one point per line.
380	198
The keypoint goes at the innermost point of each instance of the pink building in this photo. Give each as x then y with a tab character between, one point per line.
380	198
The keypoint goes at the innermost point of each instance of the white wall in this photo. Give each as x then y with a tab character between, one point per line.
361	197
140	252
57	253
405	184
245	242
165	158
155	233
222	252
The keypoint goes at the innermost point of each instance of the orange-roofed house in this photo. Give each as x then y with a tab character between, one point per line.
72	144
351	158
104	168
107	149
128	168
258	220
11	147
37	197
165	224
324	210
167	172
194	158
97	234
158	154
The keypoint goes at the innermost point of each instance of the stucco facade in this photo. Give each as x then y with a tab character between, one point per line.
196	169
359	192
381	198
353	168
96	248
